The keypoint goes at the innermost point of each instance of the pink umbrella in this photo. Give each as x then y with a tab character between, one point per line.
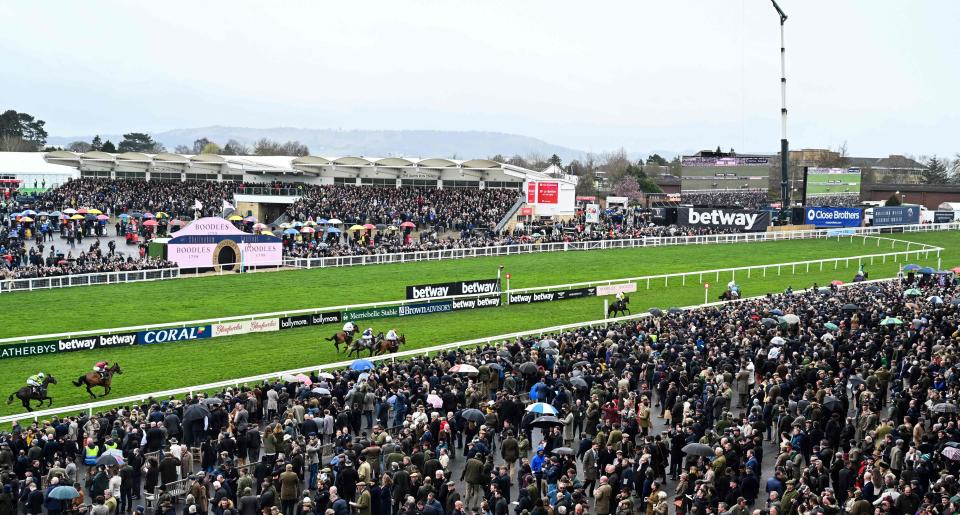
103	217
259	227
303	379
151	223
176	222
434	400
308	230
82	211
148	215
369	226
411	225
250	219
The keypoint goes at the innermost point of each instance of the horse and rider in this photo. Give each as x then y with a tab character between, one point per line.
732	292
620	305
379	344
35	390
344	337
101	376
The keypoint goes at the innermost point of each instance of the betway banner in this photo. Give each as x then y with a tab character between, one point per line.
332	317
833	216
432	291
613	289
479	302
104	341
245	327
177	334
742	219
550	296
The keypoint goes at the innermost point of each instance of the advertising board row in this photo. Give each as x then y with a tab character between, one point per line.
743	219
833	216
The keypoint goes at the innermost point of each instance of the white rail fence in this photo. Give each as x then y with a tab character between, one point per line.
236	382
67	281
922	251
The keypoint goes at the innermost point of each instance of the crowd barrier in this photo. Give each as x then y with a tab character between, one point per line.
257	379
66	281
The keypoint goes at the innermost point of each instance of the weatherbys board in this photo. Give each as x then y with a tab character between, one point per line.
743	219
432	291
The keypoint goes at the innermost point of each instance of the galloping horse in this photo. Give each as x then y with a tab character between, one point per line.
730	294
341	337
620	306
384	346
91	379
360	345
27	394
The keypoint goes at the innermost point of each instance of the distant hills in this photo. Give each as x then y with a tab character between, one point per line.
376	143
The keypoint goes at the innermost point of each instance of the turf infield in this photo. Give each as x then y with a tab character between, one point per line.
158	367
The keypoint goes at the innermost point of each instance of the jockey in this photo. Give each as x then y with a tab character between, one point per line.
392	336
100	367
619	296
35	382
349	328
367	336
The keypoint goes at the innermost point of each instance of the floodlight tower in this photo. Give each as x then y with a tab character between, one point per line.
784	146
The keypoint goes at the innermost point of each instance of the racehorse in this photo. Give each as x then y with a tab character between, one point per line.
91	379
28	393
361	345
341	337
385	346
729	294
620	306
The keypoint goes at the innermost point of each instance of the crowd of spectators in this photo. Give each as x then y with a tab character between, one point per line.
453	209
114	197
834	200
744	199
797	403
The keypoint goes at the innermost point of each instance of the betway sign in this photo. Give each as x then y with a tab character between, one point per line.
432	291
742	219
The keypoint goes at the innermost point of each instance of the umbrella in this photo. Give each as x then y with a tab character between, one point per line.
935	299
657	312
836	283
369	226
333	230
355	228
926	270
410	225
151	223
109	460
891	321
94	211
873	288
546	421
551	351
778	312
579	382
321	221
952	453
528	368
304	380
495	366
232	218
542	408
63	493
674	311
291	231
463	369
698	449
77	217
288	378
473	415
259	226
250	219
831	326
320	391
325	375
28	212
562	451
363	376
123	216
55	213
148	215
44	213
177	222
850	307
162	214
298	224
955	301
195	412
831	403
26	219
361	365
913	292
83	211
790	318
69	211
944	407
911	268
547	343
308	230
856	381
334	221
434	400
777	340
768	322
103	217
583	363
955	269
213	401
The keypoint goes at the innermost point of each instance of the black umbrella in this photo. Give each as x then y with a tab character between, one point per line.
546	421
551	351
831	403
856	381
872	288
528	368
562	451
579	382
851	307
583	363
108	460
504	354
195	412
213	401
955	301
657	312
944	407
698	449
768	322
495	366
473	415
674	311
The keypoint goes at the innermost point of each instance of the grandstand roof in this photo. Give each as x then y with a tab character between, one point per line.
315	166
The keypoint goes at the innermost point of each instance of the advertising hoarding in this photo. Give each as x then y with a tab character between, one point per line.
899	215
833	216
431	291
742	219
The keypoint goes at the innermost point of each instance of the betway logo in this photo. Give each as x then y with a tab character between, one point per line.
76	344
117	339
477	287
718	217
429	292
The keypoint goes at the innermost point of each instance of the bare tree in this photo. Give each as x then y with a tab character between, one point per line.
80	147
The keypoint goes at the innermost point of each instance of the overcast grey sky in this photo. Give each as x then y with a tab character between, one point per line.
645	75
